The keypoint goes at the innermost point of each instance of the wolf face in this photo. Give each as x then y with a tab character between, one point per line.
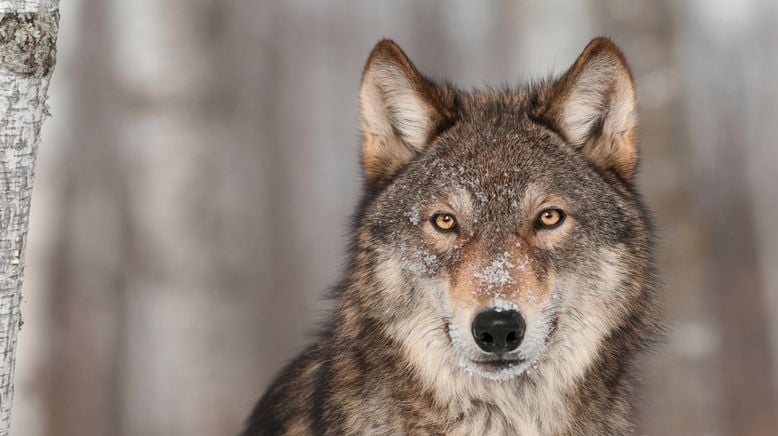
502	228
501	272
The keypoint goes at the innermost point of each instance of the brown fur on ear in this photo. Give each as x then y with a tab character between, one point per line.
401	111
593	106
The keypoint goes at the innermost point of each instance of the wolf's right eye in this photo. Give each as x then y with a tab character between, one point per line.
444	222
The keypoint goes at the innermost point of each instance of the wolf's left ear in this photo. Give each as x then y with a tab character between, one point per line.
401	111
593	106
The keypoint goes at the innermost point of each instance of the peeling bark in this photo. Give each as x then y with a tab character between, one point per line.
28	33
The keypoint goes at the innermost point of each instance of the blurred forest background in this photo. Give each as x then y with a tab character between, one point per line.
172	264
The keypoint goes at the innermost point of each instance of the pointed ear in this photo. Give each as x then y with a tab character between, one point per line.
401	111
593	107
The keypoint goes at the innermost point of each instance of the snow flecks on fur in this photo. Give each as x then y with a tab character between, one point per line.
414	216
417	261
501	305
497	274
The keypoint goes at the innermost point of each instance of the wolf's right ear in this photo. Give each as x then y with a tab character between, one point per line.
401	111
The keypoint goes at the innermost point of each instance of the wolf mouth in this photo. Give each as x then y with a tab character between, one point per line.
499	365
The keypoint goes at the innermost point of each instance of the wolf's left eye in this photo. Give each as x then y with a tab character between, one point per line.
550	218
444	222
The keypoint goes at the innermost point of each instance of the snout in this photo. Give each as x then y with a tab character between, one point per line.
498	331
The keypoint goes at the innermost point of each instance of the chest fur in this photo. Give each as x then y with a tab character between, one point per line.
485	422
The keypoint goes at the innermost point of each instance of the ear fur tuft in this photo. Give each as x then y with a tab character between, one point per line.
401	111
593	107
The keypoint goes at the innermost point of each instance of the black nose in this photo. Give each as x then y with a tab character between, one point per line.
498	332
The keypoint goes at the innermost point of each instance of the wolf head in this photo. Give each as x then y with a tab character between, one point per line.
501	228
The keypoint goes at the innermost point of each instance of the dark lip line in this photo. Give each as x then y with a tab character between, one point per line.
498	365
498	361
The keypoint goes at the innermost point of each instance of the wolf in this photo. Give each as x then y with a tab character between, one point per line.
501	277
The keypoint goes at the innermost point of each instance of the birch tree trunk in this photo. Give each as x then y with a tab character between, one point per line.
28	34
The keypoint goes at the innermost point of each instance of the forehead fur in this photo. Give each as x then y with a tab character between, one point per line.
495	140
497	125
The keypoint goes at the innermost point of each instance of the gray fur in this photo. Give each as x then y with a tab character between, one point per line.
396	356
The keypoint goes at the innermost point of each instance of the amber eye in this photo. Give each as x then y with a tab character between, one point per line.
444	222
550	218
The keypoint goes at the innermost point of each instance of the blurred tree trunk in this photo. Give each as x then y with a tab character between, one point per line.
28	34
82	276
724	144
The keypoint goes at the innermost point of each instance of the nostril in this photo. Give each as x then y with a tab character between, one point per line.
511	337
486	338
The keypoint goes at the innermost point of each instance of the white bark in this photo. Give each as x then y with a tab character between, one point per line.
28	31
